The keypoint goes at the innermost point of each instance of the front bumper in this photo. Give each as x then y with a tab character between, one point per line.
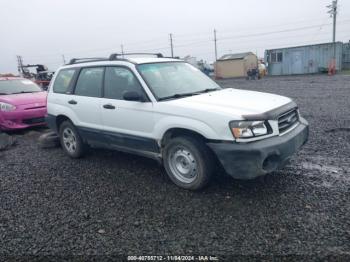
20	119
250	160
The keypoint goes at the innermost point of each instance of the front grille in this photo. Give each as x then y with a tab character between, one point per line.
32	121
287	120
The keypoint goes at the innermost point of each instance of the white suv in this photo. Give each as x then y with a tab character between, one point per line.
168	110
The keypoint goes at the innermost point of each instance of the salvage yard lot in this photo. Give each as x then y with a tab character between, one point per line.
114	203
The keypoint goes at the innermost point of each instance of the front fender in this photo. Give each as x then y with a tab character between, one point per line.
166	123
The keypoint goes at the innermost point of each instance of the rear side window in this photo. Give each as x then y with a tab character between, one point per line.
63	80
90	82
119	80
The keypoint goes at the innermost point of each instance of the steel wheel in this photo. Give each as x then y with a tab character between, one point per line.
183	164
69	140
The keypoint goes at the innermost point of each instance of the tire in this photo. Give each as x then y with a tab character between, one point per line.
70	139
188	162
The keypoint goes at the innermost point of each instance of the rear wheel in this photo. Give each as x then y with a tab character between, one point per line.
188	162
70	140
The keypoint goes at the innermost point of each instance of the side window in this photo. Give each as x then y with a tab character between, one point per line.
279	57
63	80
89	82
118	80
276	57
273	57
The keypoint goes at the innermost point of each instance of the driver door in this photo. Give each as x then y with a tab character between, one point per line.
126	123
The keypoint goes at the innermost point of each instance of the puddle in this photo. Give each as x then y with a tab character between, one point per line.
327	176
322	168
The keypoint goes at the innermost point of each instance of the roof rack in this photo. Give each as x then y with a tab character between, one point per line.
117	56
172	57
85	60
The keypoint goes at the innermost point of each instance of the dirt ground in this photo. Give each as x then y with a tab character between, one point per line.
111	203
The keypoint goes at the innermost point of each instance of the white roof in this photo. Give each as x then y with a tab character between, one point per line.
144	60
133	60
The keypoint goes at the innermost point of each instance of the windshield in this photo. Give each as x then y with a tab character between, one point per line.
17	86
175	79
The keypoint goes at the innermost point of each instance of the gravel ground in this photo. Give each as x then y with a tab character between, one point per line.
111	203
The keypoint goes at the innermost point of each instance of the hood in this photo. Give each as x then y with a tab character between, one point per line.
24	99
233	101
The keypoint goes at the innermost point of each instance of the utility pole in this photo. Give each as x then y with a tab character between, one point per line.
171	45
333	13
63	59
122	48
216	50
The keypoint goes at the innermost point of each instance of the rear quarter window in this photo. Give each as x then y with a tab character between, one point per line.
63	80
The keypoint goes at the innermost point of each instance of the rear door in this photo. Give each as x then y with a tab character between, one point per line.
126	123
86	100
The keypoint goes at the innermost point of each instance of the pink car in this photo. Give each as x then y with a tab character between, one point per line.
22	103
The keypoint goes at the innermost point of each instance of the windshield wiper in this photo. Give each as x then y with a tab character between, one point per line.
208	90
177	96
1	94
189	94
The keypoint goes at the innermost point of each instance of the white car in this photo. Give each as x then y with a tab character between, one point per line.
168	110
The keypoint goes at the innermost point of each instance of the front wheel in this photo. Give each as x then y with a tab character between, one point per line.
188	162
70	140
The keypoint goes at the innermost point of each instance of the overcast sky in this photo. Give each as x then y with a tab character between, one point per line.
42	31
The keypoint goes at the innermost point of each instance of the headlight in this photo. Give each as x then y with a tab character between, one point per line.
6	107
248	129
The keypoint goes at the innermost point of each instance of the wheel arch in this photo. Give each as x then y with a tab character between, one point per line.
179	131
60	119
175	125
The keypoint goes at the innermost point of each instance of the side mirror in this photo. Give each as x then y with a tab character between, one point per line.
133	96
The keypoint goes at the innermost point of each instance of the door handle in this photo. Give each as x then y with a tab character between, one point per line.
109	106
72	102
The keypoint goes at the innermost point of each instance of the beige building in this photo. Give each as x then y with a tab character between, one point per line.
235	65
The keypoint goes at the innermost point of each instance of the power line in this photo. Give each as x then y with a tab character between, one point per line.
290	37
268	45
152	49
275	32
288	44
245	46
233	40
206	33
186	44
319	29
252	35
195	43
205	41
